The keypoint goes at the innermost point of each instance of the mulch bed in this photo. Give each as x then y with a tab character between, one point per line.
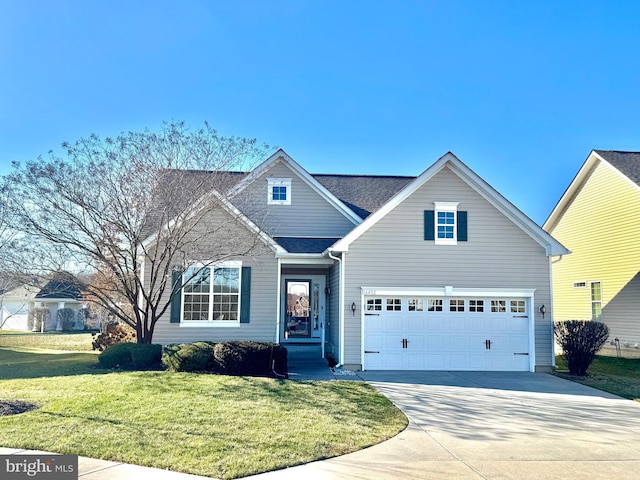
14	407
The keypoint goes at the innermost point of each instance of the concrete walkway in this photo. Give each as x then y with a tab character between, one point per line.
469	425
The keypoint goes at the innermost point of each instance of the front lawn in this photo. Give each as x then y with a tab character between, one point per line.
70	341
209	425
620	376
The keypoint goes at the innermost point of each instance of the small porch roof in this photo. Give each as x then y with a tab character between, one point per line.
305	245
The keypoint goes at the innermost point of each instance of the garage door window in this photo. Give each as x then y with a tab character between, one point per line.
374	305
435	305
416	305
498	306
456	305
394	305
476	306
517	306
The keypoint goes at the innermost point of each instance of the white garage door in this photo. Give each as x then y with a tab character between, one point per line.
431	333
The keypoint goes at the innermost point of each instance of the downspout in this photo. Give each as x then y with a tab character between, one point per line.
340	306
279	293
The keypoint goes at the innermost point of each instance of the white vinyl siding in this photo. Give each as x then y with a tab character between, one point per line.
497	255
308	215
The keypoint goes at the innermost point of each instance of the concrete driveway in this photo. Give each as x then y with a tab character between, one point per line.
476	425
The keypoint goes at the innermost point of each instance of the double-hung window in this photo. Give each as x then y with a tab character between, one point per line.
211	294
596	301
445	224
279	191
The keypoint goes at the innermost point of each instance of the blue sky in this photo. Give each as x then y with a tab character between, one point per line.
519	91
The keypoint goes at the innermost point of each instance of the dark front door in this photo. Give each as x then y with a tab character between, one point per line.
298	312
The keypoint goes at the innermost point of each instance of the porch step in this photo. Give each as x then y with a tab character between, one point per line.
300	353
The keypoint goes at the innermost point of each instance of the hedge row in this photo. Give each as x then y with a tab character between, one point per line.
228	358
136	356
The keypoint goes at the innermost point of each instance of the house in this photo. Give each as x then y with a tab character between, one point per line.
597	218
435	272
43	304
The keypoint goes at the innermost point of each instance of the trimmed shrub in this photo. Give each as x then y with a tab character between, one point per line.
138	356
250	358
189	357
580	340
113	334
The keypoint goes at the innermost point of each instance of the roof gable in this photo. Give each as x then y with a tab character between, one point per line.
552	246
625	164
281	157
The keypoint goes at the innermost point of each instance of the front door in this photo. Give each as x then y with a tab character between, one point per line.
298	309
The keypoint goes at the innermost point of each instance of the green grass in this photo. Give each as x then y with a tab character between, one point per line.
620	376
208	425
51	340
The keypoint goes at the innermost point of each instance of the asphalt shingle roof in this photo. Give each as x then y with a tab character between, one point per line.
305	245
62	285
627	162
364	194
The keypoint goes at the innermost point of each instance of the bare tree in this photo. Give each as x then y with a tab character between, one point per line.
141	204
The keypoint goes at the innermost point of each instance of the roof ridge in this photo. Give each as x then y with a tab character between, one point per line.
359	175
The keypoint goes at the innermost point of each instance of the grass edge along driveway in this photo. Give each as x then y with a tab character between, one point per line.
217	426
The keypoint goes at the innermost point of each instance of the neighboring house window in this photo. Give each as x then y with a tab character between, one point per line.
596	301
445	225
212	295
579	284
279	191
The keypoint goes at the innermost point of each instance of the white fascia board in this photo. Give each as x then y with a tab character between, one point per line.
447	291
551	246
230	208
304	176
304	258
572	190
343	244
256	172
513	213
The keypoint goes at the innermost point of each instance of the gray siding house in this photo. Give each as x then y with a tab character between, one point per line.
435	272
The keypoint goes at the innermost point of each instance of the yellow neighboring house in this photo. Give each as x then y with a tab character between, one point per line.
598	219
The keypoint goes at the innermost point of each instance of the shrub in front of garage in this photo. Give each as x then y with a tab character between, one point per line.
580	340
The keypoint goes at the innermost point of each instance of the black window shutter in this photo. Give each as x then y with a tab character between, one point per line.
462	226
176	299
429	225
245	295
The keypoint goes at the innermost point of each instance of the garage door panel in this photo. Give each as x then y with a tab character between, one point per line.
448	340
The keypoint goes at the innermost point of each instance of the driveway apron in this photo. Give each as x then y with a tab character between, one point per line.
479	425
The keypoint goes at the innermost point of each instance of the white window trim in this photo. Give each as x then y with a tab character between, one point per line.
214	323
278	182
600	319
446	207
